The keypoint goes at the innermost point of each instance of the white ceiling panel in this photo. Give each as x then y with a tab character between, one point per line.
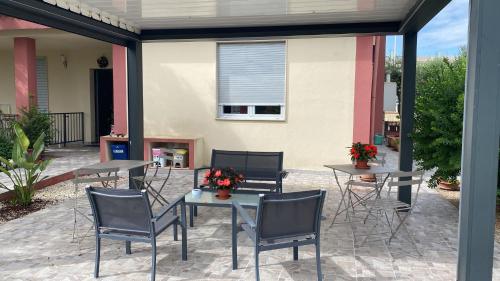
157	14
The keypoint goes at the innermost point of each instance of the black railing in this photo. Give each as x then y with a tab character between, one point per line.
6	120
67	127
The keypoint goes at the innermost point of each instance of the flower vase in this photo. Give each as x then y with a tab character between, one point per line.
362	164
223	194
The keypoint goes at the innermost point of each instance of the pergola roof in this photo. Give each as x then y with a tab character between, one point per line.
120	21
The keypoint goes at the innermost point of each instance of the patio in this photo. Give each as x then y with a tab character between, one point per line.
43	250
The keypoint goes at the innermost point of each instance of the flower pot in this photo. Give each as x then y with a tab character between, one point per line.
368	178
362	164
223	194
450	186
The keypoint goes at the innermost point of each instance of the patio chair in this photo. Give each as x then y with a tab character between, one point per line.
147	182
125	214
106	177
282	221
389	206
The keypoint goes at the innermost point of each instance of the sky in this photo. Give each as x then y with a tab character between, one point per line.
444	35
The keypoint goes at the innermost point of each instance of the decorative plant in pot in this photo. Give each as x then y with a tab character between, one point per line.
223	180
25	168
361	153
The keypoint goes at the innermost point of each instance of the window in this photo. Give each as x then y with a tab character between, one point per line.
251	80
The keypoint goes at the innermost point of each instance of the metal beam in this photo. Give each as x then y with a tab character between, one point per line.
52	16
421	14
480	144
135	104
407	110
380	28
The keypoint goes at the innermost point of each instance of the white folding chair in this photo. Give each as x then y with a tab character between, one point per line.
389	207
81	209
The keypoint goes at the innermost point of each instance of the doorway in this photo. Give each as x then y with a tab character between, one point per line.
103	102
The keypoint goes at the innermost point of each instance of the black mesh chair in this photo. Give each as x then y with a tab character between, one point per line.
282	221
125	214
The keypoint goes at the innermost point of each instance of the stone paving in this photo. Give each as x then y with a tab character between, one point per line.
64	160
39	247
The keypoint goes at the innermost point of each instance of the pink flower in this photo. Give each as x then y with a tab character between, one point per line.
205	182
207	174
227	182
218	173
220	182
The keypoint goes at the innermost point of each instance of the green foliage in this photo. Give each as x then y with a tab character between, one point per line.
6	143
34	123
438	117
25	168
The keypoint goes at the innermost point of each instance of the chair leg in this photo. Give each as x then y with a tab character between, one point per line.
295	252
257	276
174	213
234	238
128	247
153	259
184	232
318	261
97	256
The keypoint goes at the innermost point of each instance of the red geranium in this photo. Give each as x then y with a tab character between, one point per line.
225	178
360	151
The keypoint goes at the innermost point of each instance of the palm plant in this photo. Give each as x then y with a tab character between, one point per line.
25	168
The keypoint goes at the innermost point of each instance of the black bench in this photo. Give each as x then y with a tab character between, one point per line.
263	171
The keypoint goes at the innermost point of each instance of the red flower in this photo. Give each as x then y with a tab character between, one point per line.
356	155
205	181
218	173
207	173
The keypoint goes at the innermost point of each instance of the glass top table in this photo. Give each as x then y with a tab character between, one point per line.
208	198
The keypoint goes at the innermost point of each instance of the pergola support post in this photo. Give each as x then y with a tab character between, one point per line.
407	110
480	144
135	104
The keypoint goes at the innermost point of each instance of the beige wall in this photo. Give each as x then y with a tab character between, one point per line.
180	100
7	85
69	88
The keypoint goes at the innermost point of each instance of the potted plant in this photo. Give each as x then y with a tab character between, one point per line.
361	153
25	168
223	180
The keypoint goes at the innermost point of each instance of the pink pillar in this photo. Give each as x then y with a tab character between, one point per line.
363	89
25	72
120	89
377	126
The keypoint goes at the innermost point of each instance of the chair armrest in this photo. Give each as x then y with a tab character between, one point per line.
167	208
243	213
195	181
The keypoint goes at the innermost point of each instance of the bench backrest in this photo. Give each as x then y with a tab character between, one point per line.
253	165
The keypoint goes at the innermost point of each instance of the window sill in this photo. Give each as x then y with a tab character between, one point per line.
250	119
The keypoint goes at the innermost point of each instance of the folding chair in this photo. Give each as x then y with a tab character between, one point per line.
390	206
106	177
147	183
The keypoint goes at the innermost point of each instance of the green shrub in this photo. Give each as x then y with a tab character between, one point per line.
34	123
437	133
6	144
26	168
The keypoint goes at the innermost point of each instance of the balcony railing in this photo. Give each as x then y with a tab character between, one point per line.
67	127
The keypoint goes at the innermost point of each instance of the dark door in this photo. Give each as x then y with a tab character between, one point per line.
103	90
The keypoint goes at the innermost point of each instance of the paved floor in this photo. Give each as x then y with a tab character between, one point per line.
39	247
64	160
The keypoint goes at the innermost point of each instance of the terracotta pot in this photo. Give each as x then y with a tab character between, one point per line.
368	178
362	164
449	186
223	194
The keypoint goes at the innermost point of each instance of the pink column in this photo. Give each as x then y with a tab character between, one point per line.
120	89
377	126
25	72
363	89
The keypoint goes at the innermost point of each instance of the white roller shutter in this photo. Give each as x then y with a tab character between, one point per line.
42	84
251	73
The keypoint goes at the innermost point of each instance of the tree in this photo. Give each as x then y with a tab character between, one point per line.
437	132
